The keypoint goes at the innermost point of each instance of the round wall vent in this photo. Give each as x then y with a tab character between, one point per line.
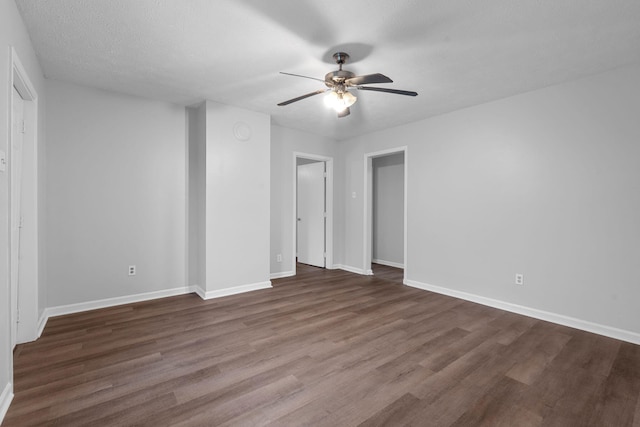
242	131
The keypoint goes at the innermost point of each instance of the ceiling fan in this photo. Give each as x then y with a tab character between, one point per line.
340	81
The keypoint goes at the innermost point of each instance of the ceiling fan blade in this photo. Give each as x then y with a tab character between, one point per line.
317	92
368	79
344	113
396	91
305	77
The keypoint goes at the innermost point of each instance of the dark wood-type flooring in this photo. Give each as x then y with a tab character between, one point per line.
324	348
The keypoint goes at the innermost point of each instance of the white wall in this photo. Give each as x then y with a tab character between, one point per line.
388	209
12	33
544	184
351	211
197	195
116	194
237	199
284	142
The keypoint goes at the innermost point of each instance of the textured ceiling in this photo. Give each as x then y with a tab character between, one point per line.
453	53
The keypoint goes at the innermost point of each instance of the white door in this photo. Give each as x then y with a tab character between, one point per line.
311	217
16	212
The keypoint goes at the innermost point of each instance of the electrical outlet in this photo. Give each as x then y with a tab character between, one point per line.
132	270
519	279
279	258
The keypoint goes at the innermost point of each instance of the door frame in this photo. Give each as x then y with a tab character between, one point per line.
367	231
26	291
311	214
328	230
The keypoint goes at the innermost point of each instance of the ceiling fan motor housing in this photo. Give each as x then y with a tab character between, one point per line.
337	77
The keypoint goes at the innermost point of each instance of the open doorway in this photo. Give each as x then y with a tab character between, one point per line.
385	212
23	205
313	210
310	246
15	179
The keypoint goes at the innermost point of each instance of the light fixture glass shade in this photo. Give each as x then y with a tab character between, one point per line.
339	101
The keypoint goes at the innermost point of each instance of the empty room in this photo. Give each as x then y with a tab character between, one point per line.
306	213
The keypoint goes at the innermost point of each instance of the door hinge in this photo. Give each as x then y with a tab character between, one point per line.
324	214
23	127
18	315
324	254
324	174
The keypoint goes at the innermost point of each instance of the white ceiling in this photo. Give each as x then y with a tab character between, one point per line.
454	53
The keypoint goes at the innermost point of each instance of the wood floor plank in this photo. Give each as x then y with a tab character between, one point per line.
394	412
613	403
388	390
323	348
527	370
636	418
500	407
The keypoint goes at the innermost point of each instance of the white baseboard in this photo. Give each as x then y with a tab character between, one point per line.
199	291
388	263
110	302
5	400
42	322
282	274
607	331
355	270
218	293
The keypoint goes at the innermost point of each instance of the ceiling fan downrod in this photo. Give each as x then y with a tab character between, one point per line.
335	79
341	58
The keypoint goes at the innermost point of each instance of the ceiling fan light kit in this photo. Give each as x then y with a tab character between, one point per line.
338	83
339	101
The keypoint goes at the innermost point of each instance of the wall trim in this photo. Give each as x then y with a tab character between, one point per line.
367	198
199	291
218	293
282	274
355	270
110	302
5	400
26	305
329	205
572	322
388	263
61	310
42	322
